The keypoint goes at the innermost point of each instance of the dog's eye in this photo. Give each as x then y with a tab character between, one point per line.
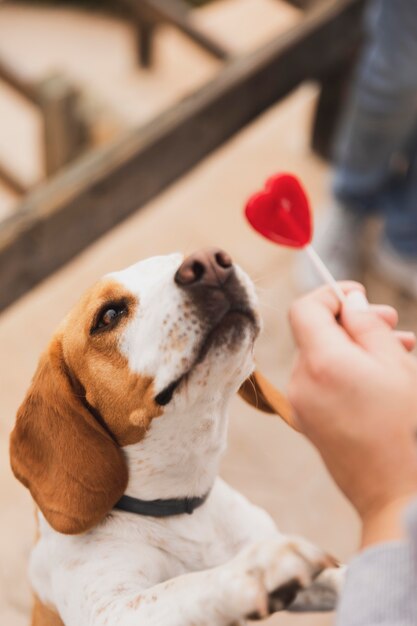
165	396
109	316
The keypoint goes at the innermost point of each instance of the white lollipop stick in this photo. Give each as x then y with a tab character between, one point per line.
324	272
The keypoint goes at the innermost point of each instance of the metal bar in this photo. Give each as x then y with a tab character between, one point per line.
88	198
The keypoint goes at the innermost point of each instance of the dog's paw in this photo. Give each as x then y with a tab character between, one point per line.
277	569
323	593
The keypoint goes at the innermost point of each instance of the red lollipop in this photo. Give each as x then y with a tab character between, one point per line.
281	213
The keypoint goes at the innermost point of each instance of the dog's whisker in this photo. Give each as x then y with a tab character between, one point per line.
265	289
271	306
263	276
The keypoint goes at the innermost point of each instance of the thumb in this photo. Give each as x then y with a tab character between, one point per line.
366	328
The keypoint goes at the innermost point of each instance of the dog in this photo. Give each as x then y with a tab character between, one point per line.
119	440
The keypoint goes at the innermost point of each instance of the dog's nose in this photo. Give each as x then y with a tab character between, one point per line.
210	266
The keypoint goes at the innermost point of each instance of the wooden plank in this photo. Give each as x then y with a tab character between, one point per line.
64	132
145	30
22	86
302	4
11	181
86	199
175	13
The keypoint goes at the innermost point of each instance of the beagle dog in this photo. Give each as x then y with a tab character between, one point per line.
119	440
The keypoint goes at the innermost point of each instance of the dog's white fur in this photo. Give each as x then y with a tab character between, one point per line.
216	566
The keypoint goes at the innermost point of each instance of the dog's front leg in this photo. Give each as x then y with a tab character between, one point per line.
264	577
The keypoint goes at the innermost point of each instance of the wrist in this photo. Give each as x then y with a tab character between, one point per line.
386	523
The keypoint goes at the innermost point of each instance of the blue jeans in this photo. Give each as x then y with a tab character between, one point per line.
376	146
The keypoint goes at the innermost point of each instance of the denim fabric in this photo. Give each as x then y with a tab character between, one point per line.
376	146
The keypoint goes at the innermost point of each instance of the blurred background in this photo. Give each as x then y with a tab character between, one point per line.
138	127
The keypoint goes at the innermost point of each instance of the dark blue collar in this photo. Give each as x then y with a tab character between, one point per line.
160	508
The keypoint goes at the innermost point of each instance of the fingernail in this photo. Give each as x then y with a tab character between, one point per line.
356	301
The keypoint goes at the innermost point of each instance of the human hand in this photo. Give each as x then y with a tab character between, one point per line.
354	389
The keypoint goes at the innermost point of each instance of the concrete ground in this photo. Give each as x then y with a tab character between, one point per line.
273	466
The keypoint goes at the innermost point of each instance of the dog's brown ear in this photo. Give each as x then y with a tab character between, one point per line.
73	468
261	394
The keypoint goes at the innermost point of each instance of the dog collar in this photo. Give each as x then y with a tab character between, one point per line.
160	508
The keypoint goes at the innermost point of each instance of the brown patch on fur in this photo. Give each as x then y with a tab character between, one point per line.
83	404
124	400
261	394
74	469
44	616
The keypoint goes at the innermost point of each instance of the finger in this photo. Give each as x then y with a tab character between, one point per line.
368	330
407	339
313	317
390	316
387	313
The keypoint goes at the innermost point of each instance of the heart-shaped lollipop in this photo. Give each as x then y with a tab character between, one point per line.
281	213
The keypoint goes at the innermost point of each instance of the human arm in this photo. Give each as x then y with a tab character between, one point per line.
354	388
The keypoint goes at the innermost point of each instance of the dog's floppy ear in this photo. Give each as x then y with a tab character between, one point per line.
73	468
261	394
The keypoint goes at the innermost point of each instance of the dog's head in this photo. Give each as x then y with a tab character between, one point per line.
146	343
